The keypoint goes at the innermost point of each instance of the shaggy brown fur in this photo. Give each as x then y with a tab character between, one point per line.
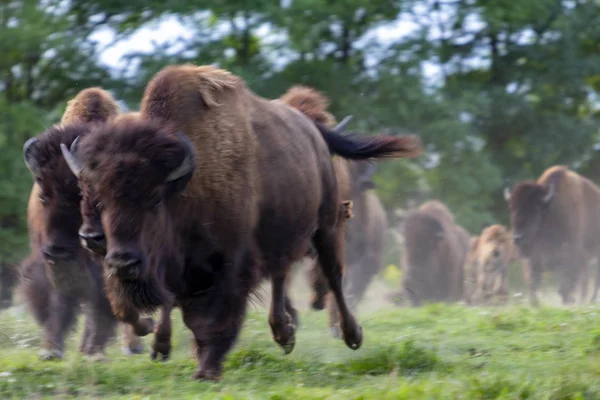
556	225
365	234
486	268
58	274
191	216
435	252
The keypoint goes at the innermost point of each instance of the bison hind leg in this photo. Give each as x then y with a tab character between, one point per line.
329	243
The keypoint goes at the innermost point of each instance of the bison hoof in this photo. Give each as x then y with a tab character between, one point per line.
353	336
289	346
49	355
207	375
284	333
131	350
162	350
163	356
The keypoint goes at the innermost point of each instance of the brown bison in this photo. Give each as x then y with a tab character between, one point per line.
435	252
486	267
58	275
212	189
556	224
365	232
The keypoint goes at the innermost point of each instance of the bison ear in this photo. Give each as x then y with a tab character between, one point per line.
29	156
506	194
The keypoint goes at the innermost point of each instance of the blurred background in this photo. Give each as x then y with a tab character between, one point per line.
498	91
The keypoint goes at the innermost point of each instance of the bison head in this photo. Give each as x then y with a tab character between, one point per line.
527	204
133	171
54	204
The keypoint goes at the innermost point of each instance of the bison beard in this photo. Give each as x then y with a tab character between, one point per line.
240	151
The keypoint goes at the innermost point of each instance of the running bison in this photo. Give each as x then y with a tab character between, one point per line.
365	232
556	224
58	275
486	267
435	252
212	189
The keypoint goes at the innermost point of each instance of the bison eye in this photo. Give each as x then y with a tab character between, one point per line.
99	206
42	199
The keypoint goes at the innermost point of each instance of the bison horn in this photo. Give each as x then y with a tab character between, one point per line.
30	162
506	194
72	161
189	162
550	193
340	127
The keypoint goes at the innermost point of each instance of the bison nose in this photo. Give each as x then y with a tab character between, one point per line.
55	252
124	264
93	241
496	253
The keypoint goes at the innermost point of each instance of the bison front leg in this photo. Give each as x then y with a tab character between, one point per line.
214	337
532	273
132	343
62	315
162	334
100	326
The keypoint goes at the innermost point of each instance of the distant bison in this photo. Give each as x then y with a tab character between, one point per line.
58	275
556	224
435	252
365	232
212	189
8	279
486	267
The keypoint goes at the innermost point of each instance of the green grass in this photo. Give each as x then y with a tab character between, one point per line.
436	352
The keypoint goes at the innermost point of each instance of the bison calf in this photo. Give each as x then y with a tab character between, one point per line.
486	267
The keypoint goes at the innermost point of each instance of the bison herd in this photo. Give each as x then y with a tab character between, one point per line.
210	190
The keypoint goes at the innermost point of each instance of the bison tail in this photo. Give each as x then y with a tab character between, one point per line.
360	148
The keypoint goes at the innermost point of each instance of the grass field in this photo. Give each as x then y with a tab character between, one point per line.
436	352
